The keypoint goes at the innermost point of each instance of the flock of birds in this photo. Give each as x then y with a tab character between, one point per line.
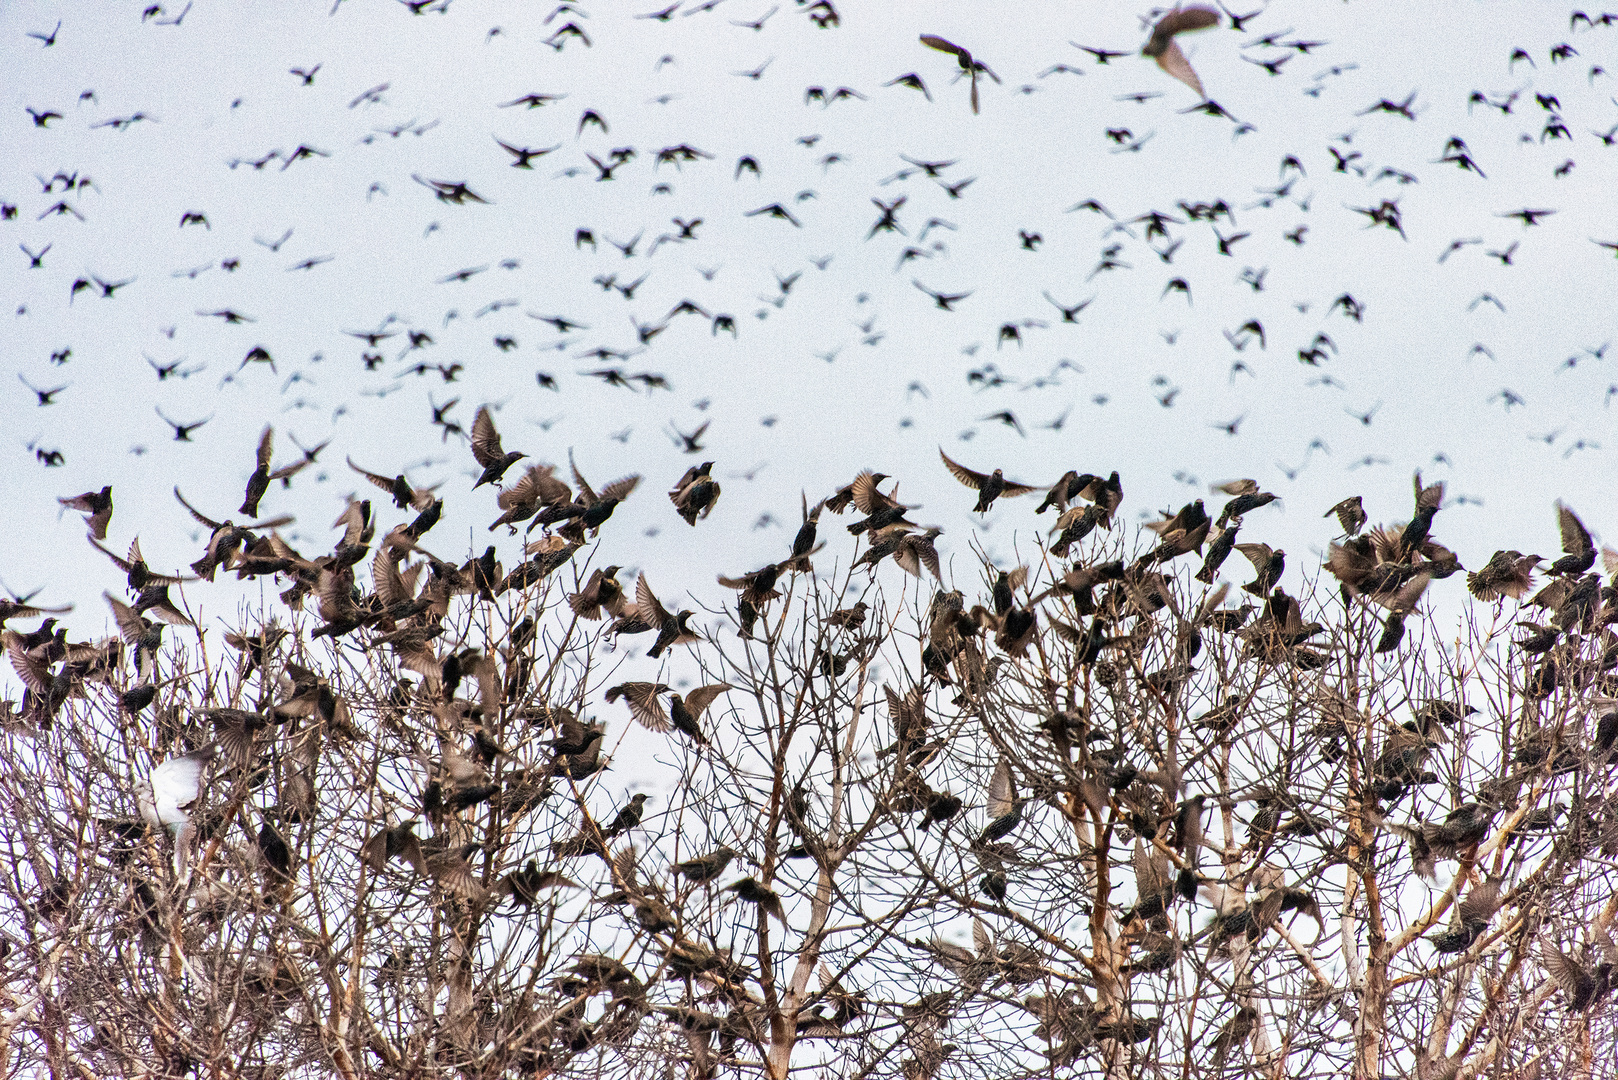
456	351
1082	603
1079	598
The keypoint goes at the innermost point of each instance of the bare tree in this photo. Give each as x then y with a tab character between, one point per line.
1093	820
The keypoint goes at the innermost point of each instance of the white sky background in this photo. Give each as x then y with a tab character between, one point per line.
218	88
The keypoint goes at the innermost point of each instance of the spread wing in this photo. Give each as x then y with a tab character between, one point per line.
1179	22
1173	61
698	700
620	489
644	706
1151	873
176	783
1257	554
586	492
867	499
974	480
1002	796
485	439
208	521
933	41
266	448
1575	537
646	602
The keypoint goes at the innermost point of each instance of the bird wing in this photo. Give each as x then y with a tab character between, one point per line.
974	480
383	482
208	521
1563	969
933	41
1013	489
867	499
130	626
485	439
982	940
266	448
699	699
1481	902
1179	21
586	492
619	489
1173	61
1151	876
1257	554
1002	795
1575	537
646	602
176	783
643	703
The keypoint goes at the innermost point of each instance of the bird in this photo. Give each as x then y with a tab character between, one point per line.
486	449
970	66
989	487
1166	51
1351	515
672	629
683	713
169	794
97	508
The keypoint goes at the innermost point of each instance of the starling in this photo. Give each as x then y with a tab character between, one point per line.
696	493
1351	515
1471	918
860	492
525	885
627	817
1507	573
803	545
537	487
404	496
989	487
1584	987
395	842
1428	502
968	65
705	868
750	890
487	450
1218	551
601	592
97	506
1268	563
259	482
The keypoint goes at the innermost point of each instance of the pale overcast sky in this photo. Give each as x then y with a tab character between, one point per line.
854	366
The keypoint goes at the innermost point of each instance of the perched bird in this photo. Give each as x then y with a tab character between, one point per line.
705	868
